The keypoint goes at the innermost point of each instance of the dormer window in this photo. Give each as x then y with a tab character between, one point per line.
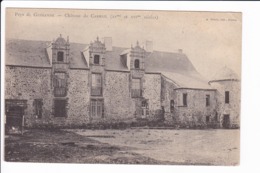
96	59
137	63
60	57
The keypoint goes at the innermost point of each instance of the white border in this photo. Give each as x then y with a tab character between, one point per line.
250	114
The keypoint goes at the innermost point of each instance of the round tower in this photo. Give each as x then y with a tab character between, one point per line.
228	86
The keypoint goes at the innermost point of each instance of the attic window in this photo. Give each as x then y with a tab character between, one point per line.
137	63
96	59
60	57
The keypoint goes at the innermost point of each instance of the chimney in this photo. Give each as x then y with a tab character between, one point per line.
149	46
180	51
108	43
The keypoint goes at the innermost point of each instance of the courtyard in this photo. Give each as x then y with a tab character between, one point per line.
129	146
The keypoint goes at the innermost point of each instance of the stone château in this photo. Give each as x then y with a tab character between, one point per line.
61	83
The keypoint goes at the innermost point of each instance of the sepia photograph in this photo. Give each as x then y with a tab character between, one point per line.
144	87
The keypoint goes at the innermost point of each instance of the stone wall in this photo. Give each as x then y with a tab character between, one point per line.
196	111
233	108
167	94
35	83
24	83
117	98
78	97
30	84
152	91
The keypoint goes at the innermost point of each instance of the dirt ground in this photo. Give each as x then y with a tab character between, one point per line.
130	146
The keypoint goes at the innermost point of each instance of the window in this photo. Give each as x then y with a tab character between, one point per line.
60	56
59	84
96	85
38	108
207	100
96	59
97	108
136	88
145	108
184	99
207	119
59	108
137	63
226	96
144	104
172	106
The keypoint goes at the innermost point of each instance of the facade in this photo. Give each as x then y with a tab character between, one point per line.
63	84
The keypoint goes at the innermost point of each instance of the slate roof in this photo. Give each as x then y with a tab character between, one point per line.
113	59
77	59
188	80
225	73
26	53
175	66
33	53
167	61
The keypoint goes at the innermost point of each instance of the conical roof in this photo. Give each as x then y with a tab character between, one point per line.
225	73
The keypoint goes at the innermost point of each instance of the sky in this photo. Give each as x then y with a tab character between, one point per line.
211	40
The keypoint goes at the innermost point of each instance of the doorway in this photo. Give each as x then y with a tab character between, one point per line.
14	112
145	108
226	121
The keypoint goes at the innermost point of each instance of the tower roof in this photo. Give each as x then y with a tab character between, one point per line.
225	73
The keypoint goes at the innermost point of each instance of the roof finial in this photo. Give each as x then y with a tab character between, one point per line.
97	38
60	35
137	43
68	39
